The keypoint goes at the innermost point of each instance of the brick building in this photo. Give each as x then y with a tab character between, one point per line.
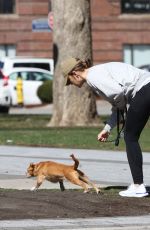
120	30
16	35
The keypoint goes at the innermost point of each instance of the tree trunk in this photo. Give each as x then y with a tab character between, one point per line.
72	38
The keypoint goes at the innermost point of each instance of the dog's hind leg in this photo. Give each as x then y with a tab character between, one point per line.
73	178
62	187
86	180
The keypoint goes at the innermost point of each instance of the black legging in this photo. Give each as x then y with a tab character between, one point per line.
137	117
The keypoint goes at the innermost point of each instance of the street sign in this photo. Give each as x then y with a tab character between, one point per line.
40	25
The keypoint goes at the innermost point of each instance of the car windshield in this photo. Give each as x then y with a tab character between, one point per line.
45	66
30	76
145	67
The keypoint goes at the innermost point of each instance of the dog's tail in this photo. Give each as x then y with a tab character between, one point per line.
76	162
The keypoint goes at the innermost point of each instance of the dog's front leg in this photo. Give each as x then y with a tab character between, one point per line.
34	188
62	187
39	182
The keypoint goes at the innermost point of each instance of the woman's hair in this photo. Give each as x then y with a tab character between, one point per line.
82	65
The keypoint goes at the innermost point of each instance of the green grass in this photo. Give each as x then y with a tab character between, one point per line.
31	130
110	190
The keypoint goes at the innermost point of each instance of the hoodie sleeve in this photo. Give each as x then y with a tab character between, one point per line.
112	121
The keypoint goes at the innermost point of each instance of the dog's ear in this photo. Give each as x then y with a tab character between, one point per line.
32	165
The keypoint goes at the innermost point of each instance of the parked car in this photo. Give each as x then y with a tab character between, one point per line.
8	63
31	79
145	67
5	96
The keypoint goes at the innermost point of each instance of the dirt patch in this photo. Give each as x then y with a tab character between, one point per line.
25	204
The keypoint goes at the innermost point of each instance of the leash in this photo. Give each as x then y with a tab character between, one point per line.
120	113
119	131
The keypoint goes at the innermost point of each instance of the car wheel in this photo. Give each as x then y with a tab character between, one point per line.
4	109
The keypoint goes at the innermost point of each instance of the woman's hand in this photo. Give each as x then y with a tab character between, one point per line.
103	135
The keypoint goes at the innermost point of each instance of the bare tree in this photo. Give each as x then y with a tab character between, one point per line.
71	37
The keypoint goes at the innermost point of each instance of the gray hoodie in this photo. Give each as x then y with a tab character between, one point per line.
117	83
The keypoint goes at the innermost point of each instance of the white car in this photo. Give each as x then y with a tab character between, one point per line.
4	95
8	63
32	79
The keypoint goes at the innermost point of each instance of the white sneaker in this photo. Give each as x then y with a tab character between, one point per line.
134	191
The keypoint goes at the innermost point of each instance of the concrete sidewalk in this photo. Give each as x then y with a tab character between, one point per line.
104	223
106	168
103	167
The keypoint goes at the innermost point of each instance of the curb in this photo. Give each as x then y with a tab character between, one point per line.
107	223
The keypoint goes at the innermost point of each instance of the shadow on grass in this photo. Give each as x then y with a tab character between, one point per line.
115	188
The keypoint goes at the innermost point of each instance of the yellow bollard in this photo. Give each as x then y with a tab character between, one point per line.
19	89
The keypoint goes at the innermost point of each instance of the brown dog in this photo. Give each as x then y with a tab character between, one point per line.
56	172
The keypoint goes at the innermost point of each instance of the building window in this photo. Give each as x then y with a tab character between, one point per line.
7	50
7	6
137	55
135	6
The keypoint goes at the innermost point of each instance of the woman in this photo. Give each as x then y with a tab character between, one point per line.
120	84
